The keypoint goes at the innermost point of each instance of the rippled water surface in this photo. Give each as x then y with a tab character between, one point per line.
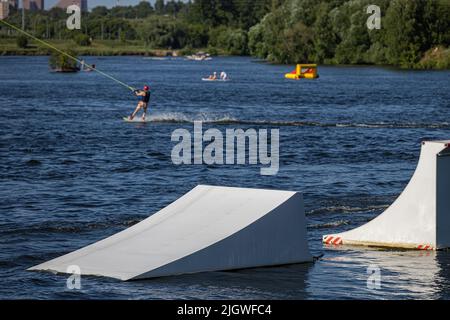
71	172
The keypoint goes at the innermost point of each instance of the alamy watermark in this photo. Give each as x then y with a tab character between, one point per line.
74	20
219	150
374	277
74	281
374	21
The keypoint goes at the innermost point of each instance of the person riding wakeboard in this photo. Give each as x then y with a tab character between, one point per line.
144	99
213	76
223	76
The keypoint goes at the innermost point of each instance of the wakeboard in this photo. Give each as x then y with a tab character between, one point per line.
136	120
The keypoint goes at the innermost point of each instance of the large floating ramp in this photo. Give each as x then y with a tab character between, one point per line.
420	218
208	229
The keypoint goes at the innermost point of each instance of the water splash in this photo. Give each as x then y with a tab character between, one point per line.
174	117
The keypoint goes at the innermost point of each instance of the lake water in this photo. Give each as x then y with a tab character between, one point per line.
72	172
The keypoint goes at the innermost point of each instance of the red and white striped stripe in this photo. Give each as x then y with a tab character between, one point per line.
332	240
425	247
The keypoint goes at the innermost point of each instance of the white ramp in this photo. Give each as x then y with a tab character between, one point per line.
420	218
208	229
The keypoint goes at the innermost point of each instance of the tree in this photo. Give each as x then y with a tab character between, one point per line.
297	44
143	9
232	41
356	41
22	42
211	12
325	39
403	35
62	63
287	31
82	40
163	32
159	7
256	42
99	11
197	36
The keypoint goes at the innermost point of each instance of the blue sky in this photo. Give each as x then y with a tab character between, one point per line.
95	3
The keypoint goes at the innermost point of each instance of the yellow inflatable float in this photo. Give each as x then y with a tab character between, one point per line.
303	71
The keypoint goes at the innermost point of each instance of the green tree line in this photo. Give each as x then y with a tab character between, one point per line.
281	31
336	32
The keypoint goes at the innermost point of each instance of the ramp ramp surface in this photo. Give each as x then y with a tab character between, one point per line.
420	217
208	229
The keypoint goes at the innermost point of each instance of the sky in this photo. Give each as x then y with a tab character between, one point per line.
95	3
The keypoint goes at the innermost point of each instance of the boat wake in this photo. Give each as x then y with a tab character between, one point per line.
228	120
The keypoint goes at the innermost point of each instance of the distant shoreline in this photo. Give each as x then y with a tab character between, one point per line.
92	54
87	52
431	61
8	47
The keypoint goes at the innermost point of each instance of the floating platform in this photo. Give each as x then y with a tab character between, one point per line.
303	71
208	229
420	218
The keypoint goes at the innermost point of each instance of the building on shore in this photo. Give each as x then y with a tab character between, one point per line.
4	9
33	5
63	4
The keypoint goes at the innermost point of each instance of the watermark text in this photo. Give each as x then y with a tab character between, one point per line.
212	148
